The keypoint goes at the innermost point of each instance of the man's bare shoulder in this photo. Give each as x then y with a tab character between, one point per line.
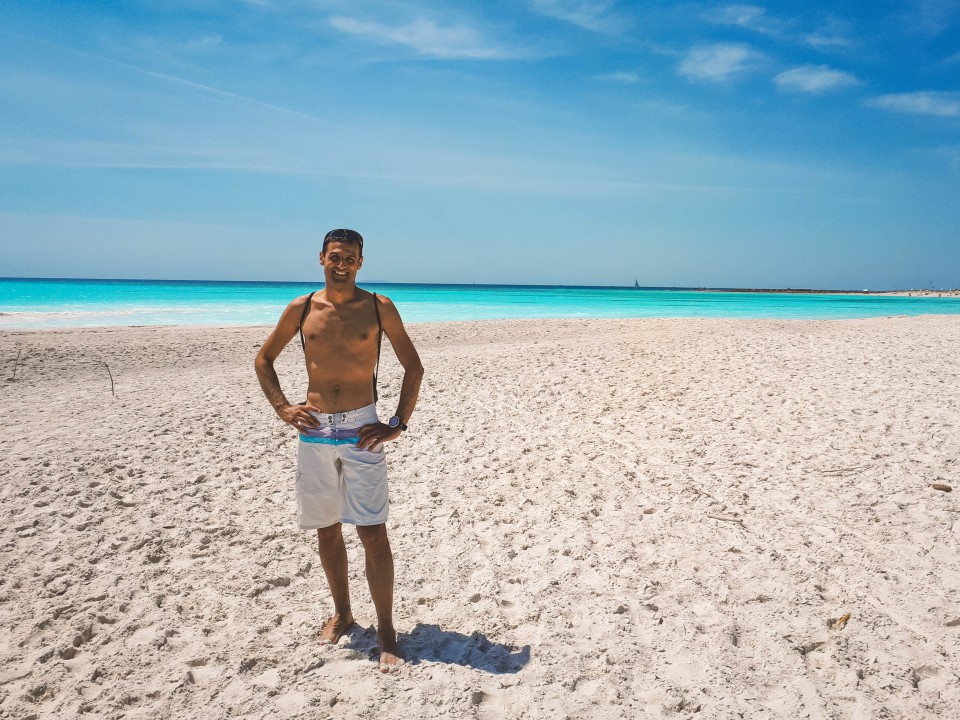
297	305
293	312
300	301
390	317
385	302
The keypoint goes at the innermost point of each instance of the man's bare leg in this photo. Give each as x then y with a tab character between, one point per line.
333	557
379	566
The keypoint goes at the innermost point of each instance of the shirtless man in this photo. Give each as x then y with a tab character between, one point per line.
341	466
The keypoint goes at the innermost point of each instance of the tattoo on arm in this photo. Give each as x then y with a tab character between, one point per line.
270	384
278	339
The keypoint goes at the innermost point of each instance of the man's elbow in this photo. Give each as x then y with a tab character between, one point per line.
261	362
414	370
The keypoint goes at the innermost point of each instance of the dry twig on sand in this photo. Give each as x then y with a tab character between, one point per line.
16	364
111	378
840	622
726	518
701	492
843	471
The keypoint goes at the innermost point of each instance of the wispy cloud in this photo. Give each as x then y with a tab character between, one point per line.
814	79
45	84
750	17
942	104
833	33
589	14
428	38
952	156
825	41
622	78
930	17
718	63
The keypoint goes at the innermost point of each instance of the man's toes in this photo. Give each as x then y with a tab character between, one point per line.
390	663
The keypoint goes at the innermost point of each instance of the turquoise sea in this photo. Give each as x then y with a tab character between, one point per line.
34	304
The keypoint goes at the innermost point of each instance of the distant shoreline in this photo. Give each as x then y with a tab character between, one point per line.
36	304
954	292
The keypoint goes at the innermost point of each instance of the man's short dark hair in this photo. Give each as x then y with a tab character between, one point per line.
343	235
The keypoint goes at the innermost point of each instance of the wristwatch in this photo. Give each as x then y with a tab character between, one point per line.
394	422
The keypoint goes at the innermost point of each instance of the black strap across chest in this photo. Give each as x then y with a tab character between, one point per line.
376	309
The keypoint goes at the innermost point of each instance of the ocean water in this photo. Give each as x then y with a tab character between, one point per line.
37	304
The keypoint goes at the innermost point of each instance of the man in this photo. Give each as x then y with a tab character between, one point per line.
341	467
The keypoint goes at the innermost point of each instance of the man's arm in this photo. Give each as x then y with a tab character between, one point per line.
283	333
372	435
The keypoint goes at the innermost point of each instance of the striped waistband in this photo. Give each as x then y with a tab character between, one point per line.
339	428
321	440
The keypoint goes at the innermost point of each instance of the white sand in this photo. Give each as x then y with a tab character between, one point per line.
591	519
919	293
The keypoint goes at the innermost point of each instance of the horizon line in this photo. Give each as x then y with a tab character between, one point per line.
493	284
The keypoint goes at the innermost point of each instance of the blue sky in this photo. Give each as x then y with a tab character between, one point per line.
796	144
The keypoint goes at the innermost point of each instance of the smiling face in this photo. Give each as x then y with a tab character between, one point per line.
340	262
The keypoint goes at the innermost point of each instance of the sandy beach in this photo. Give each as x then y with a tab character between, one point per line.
591	519
921	293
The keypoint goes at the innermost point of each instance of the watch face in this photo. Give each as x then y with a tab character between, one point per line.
394	421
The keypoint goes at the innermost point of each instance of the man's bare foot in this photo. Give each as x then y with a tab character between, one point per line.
334	628
390	657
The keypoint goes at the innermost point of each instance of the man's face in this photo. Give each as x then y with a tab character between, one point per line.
340	262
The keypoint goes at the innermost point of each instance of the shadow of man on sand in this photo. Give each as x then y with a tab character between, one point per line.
431	643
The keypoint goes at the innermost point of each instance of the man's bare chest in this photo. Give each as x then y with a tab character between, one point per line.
353	327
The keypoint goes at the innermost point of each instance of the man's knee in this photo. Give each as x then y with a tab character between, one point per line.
372	536
329	534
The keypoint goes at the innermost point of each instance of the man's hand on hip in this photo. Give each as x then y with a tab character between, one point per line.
372	435
299	416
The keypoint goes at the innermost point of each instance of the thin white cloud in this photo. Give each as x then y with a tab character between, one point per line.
931	17
941	104
749	17
623	78
951	155
205	42
209	90
832	34
589	14
428	38
717	63
824	41
814	79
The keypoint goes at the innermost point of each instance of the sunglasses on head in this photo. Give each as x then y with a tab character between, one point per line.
345	235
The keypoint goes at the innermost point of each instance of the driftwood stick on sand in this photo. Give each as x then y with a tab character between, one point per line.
111	378
726	518
16	364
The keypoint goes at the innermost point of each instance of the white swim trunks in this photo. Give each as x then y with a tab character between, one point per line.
336	480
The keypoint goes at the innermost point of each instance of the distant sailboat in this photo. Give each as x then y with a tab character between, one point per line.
635	283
